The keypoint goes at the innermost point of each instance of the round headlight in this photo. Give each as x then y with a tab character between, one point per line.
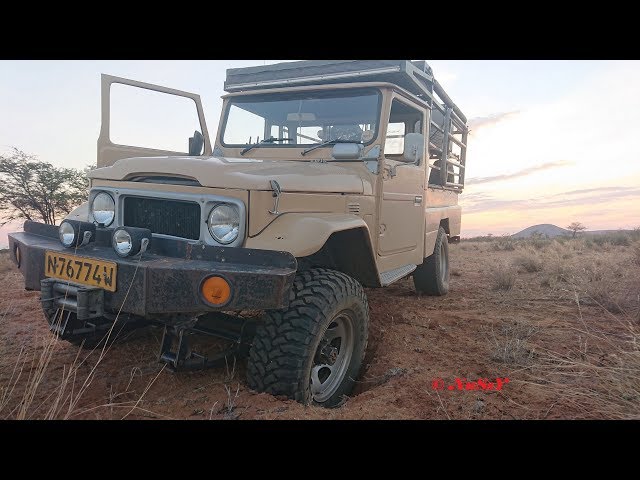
67	234
103	208
122	242
224	223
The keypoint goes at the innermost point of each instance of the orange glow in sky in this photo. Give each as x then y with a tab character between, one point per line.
574	159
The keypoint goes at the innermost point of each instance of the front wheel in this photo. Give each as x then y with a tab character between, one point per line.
312	351
432	276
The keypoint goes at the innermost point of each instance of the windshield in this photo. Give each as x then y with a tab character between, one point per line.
295	119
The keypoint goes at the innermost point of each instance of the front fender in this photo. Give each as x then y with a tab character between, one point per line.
303	234
80	213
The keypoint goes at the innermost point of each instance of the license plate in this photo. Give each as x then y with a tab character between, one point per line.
87	271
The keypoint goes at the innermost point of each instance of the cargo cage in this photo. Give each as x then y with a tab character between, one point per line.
448	129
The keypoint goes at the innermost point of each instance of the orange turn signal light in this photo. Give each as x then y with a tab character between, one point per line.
216	290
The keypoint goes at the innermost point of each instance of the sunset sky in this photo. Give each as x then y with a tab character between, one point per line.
551	141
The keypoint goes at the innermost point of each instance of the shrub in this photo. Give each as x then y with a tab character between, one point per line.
504	243
636	254
538	241
529	262
511	345
618	239
503	277
600	293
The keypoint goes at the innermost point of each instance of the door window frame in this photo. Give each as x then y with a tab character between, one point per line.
419	109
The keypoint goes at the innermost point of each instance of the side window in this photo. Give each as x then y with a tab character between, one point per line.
403	119
145	118
394	143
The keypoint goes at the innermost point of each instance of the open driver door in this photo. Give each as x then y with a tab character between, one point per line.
109	152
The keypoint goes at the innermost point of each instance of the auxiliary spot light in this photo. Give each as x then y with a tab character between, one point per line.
129	241
74	233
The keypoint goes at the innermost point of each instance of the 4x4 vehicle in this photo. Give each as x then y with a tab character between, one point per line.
325	177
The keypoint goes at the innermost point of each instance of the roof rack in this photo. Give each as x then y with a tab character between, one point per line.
448	137
415	77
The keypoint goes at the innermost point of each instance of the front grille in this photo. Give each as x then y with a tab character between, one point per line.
168	217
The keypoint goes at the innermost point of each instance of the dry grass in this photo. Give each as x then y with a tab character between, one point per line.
504	244
604	277
601	293
538	242
635	254
5	262
511	343
599	377
529	262
503	277
63	401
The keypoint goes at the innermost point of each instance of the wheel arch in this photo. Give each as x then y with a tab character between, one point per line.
350	252
336	241
444	223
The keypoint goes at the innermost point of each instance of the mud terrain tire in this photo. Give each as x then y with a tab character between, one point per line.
432	276
312	351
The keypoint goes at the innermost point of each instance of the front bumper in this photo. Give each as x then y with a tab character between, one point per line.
167	278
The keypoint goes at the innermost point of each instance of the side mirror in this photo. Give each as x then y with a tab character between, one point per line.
413	147
195	144
347	151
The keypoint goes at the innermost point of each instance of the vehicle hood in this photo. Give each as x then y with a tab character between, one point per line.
241	173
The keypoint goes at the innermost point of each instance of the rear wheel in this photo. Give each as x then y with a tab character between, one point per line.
432	276
312	351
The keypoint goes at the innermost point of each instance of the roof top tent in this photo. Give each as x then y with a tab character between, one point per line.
448	132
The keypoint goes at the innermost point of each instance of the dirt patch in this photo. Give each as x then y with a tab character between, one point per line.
532	333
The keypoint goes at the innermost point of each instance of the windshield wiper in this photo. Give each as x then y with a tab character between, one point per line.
328	142
266	140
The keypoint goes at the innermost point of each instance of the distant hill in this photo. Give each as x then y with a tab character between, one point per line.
544	229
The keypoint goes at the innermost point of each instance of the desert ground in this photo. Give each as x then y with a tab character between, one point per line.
559	318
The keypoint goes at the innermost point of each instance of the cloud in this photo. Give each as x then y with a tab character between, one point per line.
475	197
497	204
479	122
481	202
520	173
591	190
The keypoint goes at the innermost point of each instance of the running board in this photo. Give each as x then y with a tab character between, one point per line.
387	278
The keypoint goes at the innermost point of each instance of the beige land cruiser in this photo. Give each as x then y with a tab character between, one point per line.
325	177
